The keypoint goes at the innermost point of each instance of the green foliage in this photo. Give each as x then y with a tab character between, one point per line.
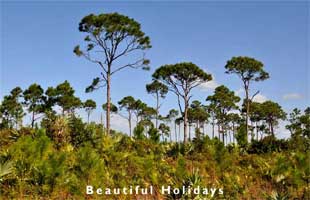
11	109
222	102
267	145
63	96
33	166
164	130
180	73
89	105
181	78
35	100
6	168
138	132
157	88
247	68
110	37
154	134
272	112
113	24
241	136
113	108
299	123
59	158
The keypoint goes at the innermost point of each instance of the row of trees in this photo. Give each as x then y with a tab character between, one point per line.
109	38
221	111
40	103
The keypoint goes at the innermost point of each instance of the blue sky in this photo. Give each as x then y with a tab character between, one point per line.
37	40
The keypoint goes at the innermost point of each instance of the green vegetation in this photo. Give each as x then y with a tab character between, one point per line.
59	153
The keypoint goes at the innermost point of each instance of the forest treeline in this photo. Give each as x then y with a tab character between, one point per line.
225	141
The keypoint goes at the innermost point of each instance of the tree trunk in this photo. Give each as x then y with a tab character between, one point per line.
179	132
219	132
129	122
271	128
189	132
185	117
223	135
203	129
101	120
233	132
108	102
170	133
213	128
157	109
256	126
252	131
246	87
32	120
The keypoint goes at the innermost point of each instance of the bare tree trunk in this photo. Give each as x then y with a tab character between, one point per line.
185	121
137	119
219	131
189	132
213	127
170	133
247	109
252	131
233	132
203	128
223	135
256	131
179	132
129	122
108	102
32	120
157	110
271	128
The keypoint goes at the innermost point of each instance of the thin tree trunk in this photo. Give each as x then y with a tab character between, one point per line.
233	132
129	122
203	128
247	109
157	110
179	132
223	135
101	119
271	128
108	101
170	134
256	131
185	120
213	127
32	120
219	132
88	114
252	131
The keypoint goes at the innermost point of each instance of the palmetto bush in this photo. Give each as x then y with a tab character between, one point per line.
38	165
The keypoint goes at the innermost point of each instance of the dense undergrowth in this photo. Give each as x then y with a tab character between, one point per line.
46	164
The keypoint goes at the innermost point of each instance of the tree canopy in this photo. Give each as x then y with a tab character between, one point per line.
180	79
248	70
109	37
